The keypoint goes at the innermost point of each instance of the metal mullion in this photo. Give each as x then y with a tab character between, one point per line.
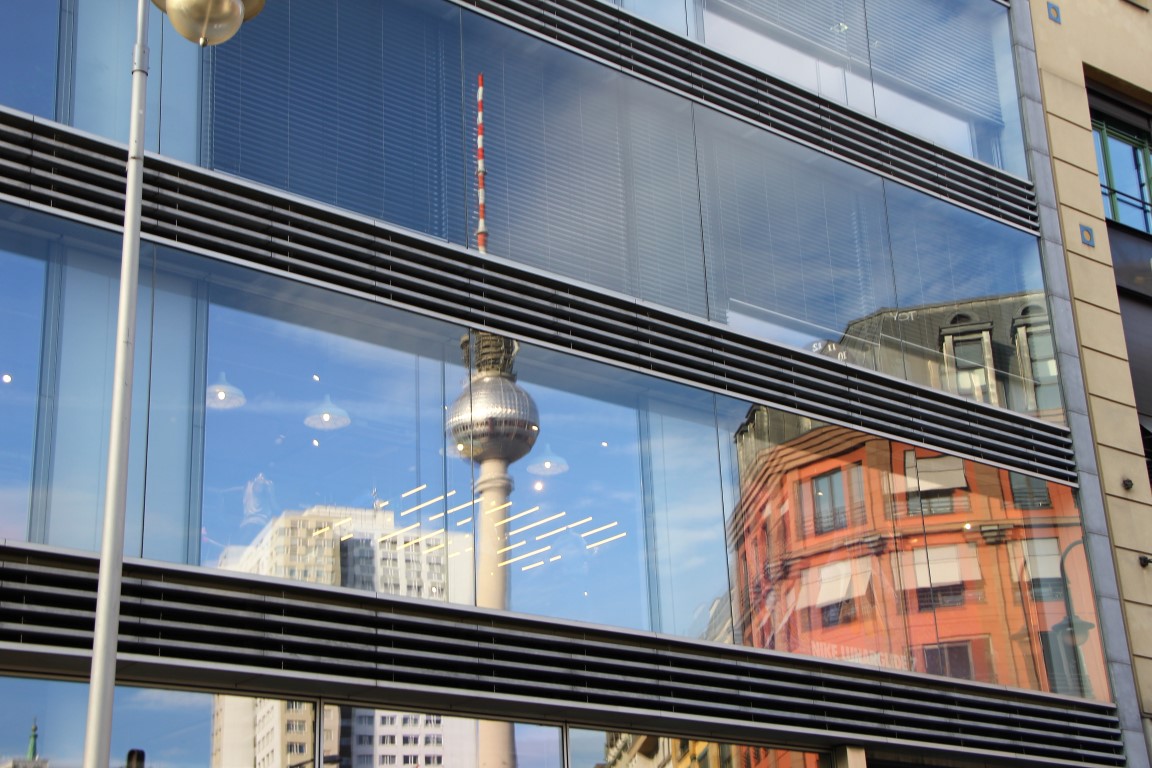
1146	197
1111	213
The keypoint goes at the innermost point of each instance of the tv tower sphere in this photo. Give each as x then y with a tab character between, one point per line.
493	418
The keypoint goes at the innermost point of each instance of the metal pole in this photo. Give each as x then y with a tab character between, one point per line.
98	734
1070	610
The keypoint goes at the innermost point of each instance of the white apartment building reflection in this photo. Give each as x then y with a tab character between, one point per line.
363	549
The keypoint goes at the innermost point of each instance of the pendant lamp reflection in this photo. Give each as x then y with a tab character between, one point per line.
223	396
327	416
548	464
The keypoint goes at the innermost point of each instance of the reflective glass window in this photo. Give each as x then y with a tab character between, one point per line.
634	532
821	46
939	69
382	737
324	442
595	176
22	317
944	70
286	431
1122	155
589	174
589	749
963	284
797	243
99	87
356	104
176	728
28	57
950	567
67	279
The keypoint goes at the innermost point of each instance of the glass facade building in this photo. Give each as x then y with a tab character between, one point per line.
763	382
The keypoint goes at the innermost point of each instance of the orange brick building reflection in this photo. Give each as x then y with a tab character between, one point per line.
851	546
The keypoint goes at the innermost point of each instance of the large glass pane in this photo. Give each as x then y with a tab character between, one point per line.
589	174
609	749
179	729
379	737
939	69
64	281
854	547
944	70
22	318
965	286
28	54
77	384
618	519
100	85
324	442
797	243
821	46
353	103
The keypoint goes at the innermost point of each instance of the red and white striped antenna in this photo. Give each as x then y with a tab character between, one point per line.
482	222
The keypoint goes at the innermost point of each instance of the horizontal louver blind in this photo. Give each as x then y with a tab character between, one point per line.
937	49
346	105
789	242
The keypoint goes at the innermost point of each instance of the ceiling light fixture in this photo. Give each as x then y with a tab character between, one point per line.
327	416
548	464
223	396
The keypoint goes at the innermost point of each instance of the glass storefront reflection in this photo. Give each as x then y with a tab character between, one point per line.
287	431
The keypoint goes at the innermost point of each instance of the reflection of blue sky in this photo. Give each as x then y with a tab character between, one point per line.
388	394
538	746
28	45
21	311
172	727
585	748
649	496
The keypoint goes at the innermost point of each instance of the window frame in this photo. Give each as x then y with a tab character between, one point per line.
944	662
1114	114
1115	200
969	332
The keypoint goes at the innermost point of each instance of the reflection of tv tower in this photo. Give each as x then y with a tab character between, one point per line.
493	423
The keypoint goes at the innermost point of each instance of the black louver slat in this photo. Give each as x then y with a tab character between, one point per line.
211	629
75	175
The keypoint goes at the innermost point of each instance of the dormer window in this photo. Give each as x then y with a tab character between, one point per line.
968	366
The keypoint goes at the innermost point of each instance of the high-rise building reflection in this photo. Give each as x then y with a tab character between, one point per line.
361	549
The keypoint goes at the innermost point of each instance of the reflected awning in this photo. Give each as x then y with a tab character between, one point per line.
1042	556
939	473
939	566
835	582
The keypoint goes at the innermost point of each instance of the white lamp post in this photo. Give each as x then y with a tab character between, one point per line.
206	22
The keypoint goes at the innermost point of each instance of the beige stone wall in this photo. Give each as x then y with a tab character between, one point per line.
1108	42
